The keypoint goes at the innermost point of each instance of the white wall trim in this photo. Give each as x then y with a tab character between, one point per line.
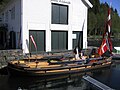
59	27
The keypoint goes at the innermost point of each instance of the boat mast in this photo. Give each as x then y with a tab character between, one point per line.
108	32
77	49
78	44
106	41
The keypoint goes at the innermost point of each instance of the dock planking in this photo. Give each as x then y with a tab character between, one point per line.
96	83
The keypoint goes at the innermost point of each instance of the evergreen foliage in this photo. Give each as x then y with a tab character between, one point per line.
3	3
97	18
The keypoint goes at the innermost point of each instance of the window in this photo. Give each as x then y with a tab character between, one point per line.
59	40
39	37
59	14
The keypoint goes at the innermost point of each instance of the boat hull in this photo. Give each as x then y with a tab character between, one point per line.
14	70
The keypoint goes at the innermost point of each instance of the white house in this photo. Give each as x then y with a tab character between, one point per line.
54	24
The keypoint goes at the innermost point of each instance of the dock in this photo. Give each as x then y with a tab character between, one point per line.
96	83
118	49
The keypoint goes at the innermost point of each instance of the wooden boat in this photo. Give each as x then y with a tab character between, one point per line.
45	68
59	67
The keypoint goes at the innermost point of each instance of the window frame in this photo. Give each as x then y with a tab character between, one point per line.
59	20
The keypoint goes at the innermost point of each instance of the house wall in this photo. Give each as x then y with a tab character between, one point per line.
79	19
37	16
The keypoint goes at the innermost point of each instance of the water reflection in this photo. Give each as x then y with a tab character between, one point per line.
66	82
108	76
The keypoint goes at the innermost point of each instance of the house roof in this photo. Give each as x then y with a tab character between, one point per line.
87	3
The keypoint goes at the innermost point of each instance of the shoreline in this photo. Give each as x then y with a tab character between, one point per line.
97	42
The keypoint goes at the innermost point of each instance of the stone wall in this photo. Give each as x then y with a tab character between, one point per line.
7	55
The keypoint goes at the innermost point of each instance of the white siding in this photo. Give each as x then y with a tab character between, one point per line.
79	16
36	15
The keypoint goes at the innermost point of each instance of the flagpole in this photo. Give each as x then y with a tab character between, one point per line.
106	42
32	39
30	49
36	53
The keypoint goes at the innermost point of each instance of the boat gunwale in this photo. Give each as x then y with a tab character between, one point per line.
57	67
30	73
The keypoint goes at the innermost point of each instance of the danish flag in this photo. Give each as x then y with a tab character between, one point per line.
103	48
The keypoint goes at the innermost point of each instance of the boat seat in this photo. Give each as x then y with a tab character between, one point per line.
67	62
56	68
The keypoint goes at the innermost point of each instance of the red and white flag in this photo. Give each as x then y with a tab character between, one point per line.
103	48
106	43
33	41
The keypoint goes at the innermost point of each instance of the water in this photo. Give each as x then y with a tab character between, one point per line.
97	42
108	76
